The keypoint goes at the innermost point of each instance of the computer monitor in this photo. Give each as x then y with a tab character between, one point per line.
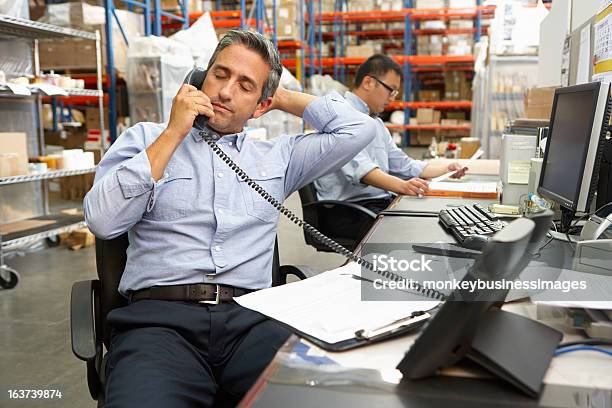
574	147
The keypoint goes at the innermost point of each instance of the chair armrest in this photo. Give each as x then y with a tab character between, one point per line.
345	204
82	324
301	271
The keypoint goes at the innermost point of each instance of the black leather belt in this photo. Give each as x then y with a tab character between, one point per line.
197	292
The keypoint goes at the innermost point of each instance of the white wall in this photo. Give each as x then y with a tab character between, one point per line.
564	17
553	30
583	10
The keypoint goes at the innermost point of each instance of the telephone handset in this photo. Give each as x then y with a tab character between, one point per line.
196	78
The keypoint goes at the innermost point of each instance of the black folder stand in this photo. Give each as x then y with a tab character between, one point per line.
514	348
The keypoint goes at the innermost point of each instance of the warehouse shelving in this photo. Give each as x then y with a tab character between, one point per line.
22	28
412	64
51	174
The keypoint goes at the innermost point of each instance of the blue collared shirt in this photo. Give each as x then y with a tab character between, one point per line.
200	222
345	184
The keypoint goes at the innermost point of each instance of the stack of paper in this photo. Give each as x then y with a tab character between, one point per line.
463	189
329	306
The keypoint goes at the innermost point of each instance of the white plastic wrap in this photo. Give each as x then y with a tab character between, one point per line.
156	69
276	122
320	85
201	39
15	8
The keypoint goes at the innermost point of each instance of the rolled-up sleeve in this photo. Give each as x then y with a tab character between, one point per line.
123	187
400	164
342	132
359	167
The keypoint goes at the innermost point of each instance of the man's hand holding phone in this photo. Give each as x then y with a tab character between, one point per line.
188	103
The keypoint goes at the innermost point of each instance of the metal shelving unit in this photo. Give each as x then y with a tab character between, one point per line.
17	27
52	174
339	65
156	19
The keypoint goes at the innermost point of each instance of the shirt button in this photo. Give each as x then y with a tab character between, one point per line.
166	175
217	248
263	174
210	277
220	175
231	143
220	210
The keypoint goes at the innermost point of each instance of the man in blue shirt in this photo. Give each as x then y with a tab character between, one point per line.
382	167
199	235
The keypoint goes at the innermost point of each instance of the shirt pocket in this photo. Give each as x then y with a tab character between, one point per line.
172	199
271	177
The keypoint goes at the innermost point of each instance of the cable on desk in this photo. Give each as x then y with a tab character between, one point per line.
581	348
590	342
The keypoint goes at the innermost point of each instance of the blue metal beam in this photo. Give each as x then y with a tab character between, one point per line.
407	70
109	9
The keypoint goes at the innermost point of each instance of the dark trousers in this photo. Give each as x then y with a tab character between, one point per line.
348	224
179	354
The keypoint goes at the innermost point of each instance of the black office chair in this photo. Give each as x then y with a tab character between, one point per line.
318	213
91	301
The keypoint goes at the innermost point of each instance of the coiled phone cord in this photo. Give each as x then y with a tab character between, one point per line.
431	293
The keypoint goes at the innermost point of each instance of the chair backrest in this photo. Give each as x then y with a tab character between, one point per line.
308	194
111	256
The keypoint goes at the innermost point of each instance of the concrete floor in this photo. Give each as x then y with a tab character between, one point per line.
36	351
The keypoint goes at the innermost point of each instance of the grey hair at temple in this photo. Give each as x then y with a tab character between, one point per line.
260	44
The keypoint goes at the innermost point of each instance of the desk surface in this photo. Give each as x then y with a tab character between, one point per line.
291	380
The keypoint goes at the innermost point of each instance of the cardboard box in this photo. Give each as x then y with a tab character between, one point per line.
428	116
92	118
69	138
75	53
13	153
538	102
81	238
429	4
360	51
429	95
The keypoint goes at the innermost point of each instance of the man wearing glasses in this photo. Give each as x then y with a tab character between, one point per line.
381	168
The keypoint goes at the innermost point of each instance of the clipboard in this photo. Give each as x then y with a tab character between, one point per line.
365	337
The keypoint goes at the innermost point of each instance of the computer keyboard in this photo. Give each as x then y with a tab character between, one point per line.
469	220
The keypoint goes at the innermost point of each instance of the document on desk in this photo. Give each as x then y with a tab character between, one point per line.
328	306
443	177
486	189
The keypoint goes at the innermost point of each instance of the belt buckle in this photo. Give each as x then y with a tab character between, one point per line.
217	297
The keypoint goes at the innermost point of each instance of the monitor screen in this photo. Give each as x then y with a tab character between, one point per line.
569	139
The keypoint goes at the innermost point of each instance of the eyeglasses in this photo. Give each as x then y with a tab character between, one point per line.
392	92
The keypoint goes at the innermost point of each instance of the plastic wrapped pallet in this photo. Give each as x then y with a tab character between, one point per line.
276	122
157	67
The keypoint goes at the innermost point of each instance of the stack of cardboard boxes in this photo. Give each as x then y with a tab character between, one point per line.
538	102
80	54
457	87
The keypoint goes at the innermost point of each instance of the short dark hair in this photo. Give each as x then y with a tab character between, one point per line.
377	65
260	44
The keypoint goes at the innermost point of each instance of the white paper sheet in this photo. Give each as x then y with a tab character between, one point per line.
18	89
51	90
329	306
584	56
443	177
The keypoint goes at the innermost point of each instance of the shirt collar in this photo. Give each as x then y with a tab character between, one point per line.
238	138
357	102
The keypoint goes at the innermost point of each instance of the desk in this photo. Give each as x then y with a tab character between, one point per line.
295	380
